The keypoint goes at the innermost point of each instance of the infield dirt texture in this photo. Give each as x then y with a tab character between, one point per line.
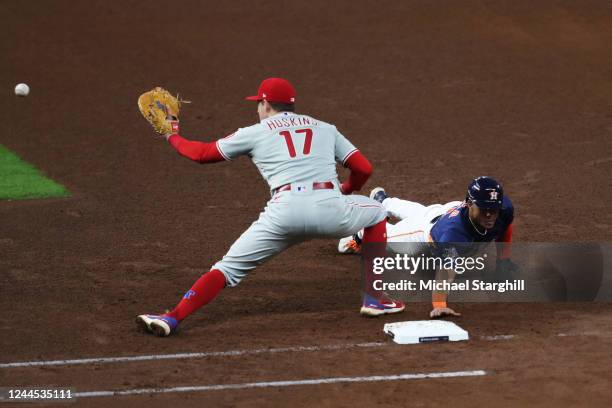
433	93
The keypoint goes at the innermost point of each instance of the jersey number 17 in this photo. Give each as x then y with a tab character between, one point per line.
289	140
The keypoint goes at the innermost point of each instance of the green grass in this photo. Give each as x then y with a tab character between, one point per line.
20	180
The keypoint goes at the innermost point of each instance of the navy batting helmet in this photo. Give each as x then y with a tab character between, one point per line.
485	192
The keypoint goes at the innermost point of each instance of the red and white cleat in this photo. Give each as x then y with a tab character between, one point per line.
160	325
377	307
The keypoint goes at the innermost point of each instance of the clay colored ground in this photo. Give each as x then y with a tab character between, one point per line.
433	94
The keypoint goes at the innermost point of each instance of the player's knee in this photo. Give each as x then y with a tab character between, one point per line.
382	214
232	277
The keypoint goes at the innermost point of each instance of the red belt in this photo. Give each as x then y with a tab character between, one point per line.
324	185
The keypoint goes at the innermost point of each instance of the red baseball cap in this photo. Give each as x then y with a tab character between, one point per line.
274	90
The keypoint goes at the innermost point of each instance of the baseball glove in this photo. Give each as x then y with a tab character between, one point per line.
161	110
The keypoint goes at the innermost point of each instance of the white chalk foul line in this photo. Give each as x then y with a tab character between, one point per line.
179	356
498	337
269	384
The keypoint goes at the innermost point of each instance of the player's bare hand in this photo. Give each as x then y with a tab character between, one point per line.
442	312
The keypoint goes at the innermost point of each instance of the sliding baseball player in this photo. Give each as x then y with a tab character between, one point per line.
485	214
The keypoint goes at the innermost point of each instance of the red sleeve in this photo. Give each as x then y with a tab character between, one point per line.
361	170
200	152
504	250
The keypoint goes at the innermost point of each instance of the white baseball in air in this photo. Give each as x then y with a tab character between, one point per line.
22	89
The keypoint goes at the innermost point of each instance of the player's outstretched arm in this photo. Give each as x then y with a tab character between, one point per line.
438	298
161	110
201	152
361	170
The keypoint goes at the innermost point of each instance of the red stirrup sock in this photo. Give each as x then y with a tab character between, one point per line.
376	235
201	293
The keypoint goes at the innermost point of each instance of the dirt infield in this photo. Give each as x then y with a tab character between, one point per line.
432	94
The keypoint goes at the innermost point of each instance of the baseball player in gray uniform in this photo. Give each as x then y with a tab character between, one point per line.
297	155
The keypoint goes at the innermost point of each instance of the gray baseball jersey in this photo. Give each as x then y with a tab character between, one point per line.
288	148
298	150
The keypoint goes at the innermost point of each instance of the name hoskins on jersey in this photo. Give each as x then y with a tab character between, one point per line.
291	121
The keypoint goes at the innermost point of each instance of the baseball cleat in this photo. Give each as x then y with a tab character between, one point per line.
377	307
349	245
379	194
159	325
